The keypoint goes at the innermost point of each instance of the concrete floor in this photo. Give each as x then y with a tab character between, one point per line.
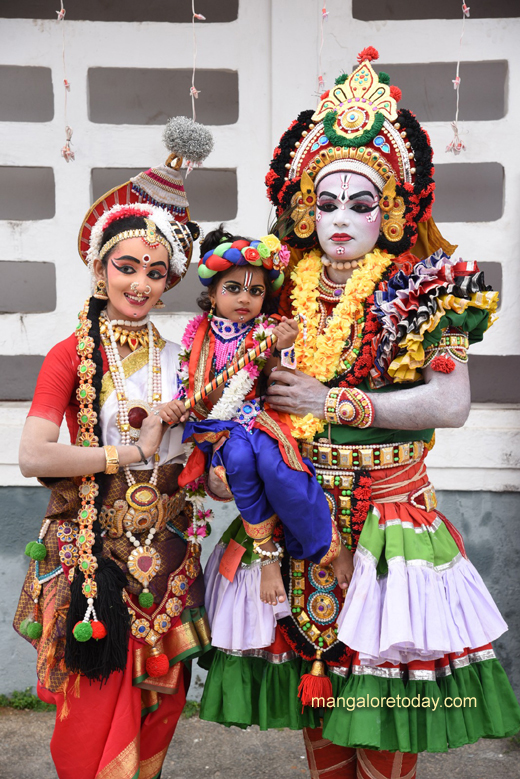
204	749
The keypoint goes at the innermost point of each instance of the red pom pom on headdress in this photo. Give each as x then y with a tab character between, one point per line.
396	93
368	55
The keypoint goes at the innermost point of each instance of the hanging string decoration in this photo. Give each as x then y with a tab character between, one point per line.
456	145
194	92
66	150
324	17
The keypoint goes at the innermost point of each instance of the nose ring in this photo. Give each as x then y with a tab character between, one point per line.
133	286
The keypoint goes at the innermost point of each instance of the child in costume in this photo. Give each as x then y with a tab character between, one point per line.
236	433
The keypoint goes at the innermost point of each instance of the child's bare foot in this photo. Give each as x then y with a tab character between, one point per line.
344	567
272	590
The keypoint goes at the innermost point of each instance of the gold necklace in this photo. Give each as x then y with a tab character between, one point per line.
132	338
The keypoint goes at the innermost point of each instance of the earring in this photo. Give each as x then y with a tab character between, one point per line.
160	304
393	208
211	312
303	205
100	290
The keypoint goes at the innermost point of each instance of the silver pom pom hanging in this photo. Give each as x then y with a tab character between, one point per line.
188	139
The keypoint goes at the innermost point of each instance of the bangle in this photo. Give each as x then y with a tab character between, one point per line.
270	562
348	407
261	541
288	358
271	556
143	458
111	460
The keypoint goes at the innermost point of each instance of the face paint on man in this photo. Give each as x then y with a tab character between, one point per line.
344	202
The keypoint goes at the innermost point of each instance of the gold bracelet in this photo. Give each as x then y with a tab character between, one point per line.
111	460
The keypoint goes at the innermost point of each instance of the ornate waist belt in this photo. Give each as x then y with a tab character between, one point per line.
371	458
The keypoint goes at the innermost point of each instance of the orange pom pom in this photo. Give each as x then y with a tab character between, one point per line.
368	55
157	665
98	629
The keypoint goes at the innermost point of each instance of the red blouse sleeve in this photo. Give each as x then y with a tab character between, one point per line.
55	392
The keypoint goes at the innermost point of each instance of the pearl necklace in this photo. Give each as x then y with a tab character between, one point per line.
127	323
118	377
345	265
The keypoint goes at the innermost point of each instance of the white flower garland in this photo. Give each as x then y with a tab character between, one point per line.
233	396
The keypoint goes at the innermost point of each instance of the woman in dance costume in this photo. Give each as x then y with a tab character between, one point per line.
113	599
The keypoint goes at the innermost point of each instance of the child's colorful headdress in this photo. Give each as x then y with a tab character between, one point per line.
267	252
356	127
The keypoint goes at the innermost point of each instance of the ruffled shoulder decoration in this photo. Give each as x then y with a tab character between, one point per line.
441	296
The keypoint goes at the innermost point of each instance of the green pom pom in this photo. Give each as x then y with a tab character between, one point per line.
34	630
38	551
384	78
83	631
145	600
29	547
24	625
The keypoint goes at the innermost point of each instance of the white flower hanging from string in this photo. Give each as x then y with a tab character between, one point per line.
66	151
456	145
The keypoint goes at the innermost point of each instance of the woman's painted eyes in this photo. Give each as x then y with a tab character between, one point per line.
155	275
128	269
327	207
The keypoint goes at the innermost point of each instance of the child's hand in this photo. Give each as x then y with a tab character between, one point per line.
286	333
173	412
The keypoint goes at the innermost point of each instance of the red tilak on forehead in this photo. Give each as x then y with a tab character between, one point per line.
248	279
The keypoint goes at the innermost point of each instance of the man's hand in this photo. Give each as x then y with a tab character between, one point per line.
296	393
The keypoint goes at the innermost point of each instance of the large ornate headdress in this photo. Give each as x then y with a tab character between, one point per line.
356	127
160	191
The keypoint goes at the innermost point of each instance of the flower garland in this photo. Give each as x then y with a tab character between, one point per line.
320	355
233	396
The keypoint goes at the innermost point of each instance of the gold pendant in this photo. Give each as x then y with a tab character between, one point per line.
142	497
143	563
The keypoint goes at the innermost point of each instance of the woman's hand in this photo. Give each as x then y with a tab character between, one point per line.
152	431
296	393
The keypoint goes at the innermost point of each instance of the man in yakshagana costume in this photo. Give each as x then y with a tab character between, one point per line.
113	600
373	650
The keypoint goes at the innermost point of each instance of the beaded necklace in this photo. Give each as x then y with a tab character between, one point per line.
144	561
228	339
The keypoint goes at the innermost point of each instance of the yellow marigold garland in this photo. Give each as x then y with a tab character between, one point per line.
320	355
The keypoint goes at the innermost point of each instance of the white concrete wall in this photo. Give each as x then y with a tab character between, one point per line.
273	46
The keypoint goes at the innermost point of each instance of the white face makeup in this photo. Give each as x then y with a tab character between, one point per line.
347	216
